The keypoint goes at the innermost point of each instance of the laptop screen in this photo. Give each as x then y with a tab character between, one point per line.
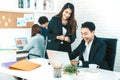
20	42
59	56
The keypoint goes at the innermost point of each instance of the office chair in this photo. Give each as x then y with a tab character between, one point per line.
33	55
111	51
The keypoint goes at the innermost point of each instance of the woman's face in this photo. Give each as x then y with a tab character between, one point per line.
66	13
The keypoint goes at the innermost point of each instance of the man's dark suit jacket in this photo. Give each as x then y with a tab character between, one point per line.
54	30
97	53
44	31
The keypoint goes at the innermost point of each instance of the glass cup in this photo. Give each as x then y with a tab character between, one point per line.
57	66
57	72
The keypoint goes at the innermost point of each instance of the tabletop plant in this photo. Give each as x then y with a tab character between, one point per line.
70	69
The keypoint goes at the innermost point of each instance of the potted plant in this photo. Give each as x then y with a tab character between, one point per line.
70	69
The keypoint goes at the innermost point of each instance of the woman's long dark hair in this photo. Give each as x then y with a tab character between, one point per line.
71	21
35	29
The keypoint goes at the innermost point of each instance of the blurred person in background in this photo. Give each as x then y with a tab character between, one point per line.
36	43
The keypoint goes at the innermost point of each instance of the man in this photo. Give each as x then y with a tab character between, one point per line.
43	21
91	49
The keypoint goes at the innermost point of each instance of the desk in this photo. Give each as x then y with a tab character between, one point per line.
11	55
45	72
7	55
20	54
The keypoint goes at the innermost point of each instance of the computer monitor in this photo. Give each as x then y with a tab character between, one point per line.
20	42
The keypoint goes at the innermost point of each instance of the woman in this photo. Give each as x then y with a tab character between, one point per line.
36	44
62	29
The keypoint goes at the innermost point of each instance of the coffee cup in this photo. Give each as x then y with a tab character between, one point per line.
93	67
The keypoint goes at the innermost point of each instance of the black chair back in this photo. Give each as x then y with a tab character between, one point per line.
35	55
111	51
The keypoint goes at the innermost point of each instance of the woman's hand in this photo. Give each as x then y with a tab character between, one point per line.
61	37
67	39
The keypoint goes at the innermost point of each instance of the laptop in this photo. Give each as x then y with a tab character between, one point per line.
20	42
59	56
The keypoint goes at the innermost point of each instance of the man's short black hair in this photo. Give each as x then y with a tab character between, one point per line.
42	20
89	25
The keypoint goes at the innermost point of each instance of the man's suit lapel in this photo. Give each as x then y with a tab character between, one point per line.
93	49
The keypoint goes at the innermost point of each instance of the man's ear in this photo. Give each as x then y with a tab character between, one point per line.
93	32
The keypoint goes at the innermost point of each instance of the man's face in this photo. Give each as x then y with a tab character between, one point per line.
46	24
87	35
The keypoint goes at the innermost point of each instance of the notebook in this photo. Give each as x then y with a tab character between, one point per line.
7	64
59	56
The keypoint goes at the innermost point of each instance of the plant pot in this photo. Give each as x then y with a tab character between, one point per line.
69	77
